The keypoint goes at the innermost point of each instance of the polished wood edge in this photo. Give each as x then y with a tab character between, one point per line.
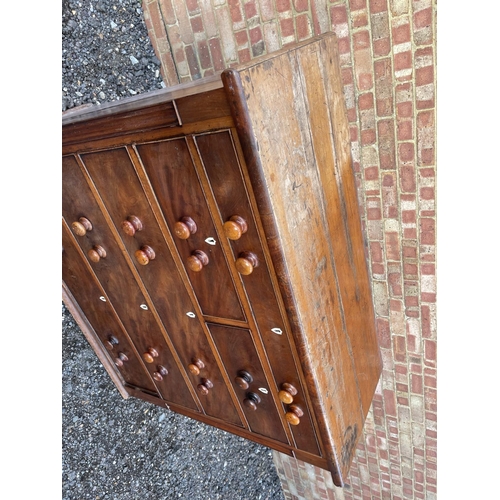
179	119
146	136
90	335
226	322
232	84
89	112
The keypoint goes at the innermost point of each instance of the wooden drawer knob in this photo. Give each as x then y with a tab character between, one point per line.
243	379
246	262
122	358
293	415
287	393
251	401
197	261
81	226
205	386
144	255
111	342
96	253
195	366
160	373
235	227
184	228
150	355
131	225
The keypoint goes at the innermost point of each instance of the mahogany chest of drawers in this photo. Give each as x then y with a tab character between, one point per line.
213	253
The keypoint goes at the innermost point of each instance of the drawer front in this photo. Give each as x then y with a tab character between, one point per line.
244	369
99	313
121	192
170	169
121	288
222	167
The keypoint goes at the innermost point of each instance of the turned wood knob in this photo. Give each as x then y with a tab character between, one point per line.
150	355
122	358
197	260
205	386
287	393
144	255
111	342
251	401
160	373
184	228
131	225
293	415
81	226
235	227
195	366
246	262
96	253
243	379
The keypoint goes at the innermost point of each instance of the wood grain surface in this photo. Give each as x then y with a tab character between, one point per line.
219	221
300	166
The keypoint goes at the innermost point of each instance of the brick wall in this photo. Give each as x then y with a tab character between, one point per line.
388	61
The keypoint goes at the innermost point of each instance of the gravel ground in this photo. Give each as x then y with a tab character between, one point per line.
129	449
107	54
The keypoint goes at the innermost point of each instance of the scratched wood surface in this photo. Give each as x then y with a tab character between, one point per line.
299	154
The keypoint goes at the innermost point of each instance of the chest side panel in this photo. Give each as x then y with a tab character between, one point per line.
306	192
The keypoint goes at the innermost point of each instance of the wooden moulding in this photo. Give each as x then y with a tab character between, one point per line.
141	101
161	113
291	121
